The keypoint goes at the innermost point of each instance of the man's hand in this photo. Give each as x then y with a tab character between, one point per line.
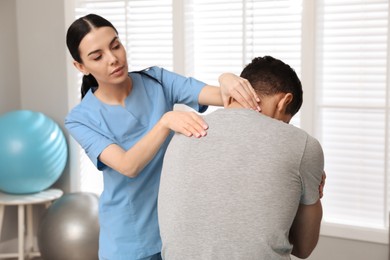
322	184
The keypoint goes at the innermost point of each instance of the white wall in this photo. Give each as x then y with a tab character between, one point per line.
42	61
42	56
33	68
9	82
9	70
330	248
32	74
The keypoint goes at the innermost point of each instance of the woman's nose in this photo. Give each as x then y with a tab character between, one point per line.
112	58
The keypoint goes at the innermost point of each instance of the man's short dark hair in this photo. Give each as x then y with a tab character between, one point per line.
269	76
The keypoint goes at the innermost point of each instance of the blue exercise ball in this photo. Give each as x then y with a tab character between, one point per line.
33	152
69	229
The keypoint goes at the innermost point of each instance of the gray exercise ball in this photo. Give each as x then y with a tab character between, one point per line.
69	229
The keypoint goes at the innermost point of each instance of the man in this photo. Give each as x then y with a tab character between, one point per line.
249	189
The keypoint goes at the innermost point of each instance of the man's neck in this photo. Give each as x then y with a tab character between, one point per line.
234	104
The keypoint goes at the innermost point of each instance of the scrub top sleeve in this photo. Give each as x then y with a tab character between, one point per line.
91	141
180	89
312	168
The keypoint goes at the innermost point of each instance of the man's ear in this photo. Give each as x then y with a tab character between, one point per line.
80	67
230	101
284	102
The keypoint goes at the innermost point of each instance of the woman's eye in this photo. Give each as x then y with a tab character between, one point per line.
98	57
116	46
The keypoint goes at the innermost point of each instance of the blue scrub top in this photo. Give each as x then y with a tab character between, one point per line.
128	206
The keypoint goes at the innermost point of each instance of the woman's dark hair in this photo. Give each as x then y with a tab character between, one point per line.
76	32
270	76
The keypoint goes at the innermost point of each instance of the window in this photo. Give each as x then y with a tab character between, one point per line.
339	48
353	109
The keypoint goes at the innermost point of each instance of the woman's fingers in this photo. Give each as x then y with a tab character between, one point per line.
186	123
240	89
193	125
246	95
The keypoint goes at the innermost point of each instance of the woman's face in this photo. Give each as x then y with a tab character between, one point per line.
103	56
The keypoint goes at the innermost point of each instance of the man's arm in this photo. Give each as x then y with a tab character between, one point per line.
305	230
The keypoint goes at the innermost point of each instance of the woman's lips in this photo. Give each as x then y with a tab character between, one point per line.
117	71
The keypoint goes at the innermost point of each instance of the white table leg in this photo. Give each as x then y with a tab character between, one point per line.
21	232
26	239
30	237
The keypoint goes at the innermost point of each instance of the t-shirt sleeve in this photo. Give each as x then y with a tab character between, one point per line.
180	89
312	168
89	138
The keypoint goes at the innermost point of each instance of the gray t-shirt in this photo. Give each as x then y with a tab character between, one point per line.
234	193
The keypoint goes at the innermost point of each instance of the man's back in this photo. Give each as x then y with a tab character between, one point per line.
234	194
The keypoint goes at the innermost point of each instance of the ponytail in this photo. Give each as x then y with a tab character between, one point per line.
88	82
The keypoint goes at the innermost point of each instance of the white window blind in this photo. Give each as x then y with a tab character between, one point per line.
274	28
218	31
144	27
228	34
149	34
345	41
353	105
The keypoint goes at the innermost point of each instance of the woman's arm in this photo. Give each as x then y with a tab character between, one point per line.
231	86
132	161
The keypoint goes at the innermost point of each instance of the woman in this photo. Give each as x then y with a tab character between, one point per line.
124	124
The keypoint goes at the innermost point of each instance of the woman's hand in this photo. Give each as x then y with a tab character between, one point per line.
233	86
186	123
132	161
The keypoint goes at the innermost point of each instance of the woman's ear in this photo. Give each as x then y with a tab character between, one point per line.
284	102
80	67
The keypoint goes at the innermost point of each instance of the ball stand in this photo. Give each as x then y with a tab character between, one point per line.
25	201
